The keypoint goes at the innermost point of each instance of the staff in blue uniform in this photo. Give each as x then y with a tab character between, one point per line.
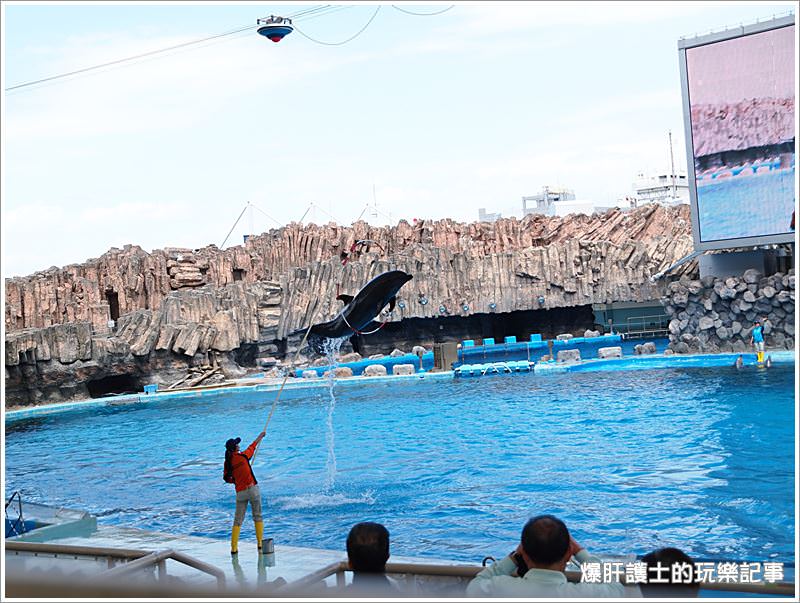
757	340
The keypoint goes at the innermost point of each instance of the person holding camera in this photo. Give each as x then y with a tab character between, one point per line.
536	567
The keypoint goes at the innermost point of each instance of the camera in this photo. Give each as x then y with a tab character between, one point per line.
522	567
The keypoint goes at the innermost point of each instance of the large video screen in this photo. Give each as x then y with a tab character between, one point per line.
741	108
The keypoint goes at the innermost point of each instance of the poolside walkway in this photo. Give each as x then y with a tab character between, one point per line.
244	572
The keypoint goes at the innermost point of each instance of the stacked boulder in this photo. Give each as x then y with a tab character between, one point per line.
645	348
374	370
713	315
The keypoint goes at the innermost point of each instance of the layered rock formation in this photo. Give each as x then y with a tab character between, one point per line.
62	362
716	315
757	122
175	306
620	246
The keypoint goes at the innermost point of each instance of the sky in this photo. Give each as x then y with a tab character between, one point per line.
418	116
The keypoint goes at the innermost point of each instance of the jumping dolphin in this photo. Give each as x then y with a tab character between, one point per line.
359	311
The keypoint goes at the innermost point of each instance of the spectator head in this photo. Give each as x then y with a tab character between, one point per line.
677	582
545	541
368	547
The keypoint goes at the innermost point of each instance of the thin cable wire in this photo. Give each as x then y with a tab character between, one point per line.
234	226
155	52
129	64
408	12
315	206
138	56
50	81
334	9
350	39
317	307
309	11
266	214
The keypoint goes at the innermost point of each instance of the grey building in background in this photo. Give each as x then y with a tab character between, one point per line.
488	217
543	202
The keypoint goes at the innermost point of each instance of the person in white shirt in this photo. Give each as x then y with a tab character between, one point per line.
535	569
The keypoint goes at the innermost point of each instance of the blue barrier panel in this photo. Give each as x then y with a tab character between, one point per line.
488	341
511	339
499	352
536	337
506	352
151	389
603	338
518	350
468	343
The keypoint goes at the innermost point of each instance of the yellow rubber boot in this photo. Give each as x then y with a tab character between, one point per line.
259	533
235	539
760	357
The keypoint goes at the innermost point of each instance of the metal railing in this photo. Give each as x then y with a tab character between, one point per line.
16	526
139	560
339	568
644	326
470	571
121	562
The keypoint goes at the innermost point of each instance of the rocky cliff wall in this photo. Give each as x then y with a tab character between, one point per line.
716	315
568	274
124	280
191	328
178	308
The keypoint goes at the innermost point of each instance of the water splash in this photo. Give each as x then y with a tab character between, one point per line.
324	500
331	349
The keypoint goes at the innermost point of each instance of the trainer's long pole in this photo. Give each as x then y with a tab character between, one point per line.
294	362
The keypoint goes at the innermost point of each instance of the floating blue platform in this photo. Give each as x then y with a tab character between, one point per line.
479	370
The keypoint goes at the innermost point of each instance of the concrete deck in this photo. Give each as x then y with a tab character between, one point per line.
246	571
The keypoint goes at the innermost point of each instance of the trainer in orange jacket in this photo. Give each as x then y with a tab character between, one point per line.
239	472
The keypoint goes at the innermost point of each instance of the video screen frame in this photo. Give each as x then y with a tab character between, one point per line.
683	46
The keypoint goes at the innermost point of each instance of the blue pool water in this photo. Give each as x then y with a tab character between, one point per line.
702	459
746	207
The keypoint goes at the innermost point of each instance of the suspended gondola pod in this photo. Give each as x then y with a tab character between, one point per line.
274	28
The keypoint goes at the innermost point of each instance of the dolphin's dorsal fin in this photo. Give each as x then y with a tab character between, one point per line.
346	299
392	302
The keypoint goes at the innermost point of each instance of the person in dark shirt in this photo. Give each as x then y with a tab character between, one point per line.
367	554
670	573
